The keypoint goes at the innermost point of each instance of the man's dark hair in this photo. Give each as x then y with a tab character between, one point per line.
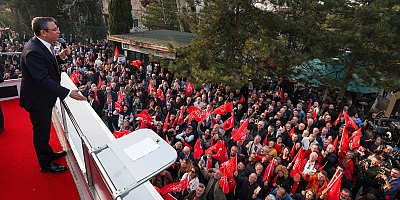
40	23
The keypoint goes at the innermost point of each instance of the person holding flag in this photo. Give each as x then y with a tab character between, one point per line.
318	182
213	190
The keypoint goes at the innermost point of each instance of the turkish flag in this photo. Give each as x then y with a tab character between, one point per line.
168	196
118	107
116	54
189	89
229	123
334	186
118	134
198	115
269	171
298	161
175	187
213	148
226	108
221	154
309	105
292	151
198	150
344	142
240	133
355	139
146	118
338	119
349	122
74	77
100	83
165	126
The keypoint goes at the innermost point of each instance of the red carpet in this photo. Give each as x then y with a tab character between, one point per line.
20	177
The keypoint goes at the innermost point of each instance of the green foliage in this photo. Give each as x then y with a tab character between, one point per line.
121	20
161	15
236	40
84	19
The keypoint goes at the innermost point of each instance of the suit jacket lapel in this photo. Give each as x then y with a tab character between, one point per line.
48	54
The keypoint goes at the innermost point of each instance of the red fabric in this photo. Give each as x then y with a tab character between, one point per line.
221	154
118	107
96	97
187	145
166	139
116	53
175	187
168	196
230	166
292	151
198	115
309	105
150	88
144	115
160	94
291	132
226	108
180	119
335	142
223	183
278	148
344	142
298	161
198	150
189	89
229	123
338	119
74	78
165	125
213	122
294	188
241	101
118	134
334	186
100	83
192	109
314	114
240	133
232	185
280	92
136	63
355	139
348	168
269	171
349	122
120	97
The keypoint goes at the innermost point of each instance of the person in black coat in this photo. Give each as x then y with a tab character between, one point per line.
40	88
247	187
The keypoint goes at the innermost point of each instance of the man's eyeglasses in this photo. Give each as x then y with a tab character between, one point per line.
54	29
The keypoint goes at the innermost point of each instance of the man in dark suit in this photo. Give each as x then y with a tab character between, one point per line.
40	87
112	119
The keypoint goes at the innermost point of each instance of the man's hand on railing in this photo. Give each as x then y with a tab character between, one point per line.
77	96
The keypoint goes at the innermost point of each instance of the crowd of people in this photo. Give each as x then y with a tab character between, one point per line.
282	120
